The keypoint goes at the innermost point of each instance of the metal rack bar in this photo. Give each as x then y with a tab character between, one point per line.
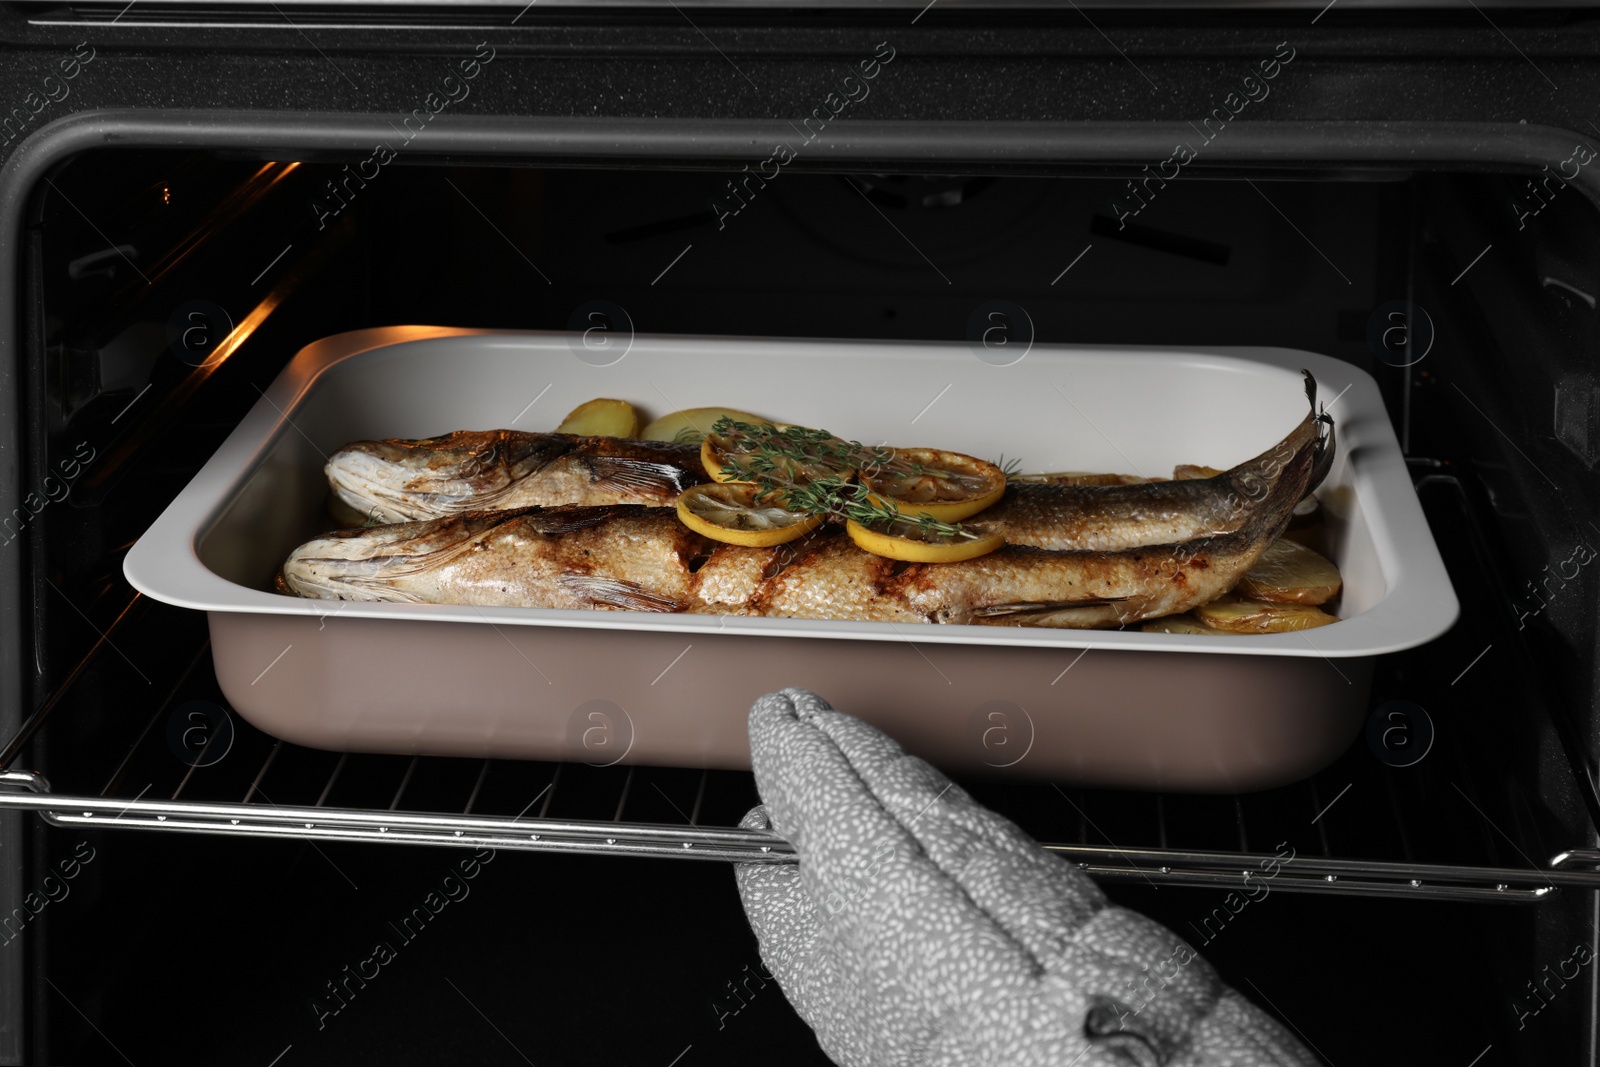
255	784
699	798
550	790
344	757
477	787
622	801
411	769
26	790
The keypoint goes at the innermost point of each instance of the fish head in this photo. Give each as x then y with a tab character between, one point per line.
360	564
400	480
396	562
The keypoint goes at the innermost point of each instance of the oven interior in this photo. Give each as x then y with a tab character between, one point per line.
162	290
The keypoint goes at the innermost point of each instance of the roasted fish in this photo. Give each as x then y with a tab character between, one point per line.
638	558
407	480
1109	518
621	556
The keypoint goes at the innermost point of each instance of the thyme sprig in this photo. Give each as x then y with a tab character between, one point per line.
800	466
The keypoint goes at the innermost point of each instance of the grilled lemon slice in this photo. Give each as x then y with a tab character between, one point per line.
947	486
713	451
905	541
716	450
732	513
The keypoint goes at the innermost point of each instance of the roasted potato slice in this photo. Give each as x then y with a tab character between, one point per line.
692	424
602	417
1260	617
1290	573
1185	471
1180	624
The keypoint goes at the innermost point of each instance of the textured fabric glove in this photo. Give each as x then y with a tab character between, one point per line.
920	928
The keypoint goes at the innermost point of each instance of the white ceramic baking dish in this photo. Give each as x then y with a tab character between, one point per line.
1094	707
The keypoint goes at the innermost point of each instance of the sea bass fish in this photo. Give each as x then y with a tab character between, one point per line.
1024	586
1113	517
406	480
631	557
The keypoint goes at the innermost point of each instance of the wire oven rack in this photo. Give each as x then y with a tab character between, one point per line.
1450	826
260	787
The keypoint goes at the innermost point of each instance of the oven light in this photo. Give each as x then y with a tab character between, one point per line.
166	194
239	335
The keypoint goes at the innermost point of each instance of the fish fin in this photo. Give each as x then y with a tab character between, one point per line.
620	474
617	593
1041	607
559	520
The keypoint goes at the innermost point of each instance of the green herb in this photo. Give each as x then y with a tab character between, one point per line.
1009	467
799	467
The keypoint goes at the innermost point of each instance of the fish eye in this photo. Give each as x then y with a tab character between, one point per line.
1106	1027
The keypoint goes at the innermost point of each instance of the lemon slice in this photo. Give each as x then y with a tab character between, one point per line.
716	450
947	486
713	450
731	513
905	541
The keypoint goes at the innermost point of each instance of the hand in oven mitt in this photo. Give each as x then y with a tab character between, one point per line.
920	928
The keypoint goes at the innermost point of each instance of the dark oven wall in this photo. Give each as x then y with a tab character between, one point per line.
875	251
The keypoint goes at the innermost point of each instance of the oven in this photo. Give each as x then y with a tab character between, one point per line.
193	192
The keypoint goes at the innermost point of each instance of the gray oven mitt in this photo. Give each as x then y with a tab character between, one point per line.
921	928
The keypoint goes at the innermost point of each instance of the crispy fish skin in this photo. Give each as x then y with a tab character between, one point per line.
401	480
836	580
1110	518
619	557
